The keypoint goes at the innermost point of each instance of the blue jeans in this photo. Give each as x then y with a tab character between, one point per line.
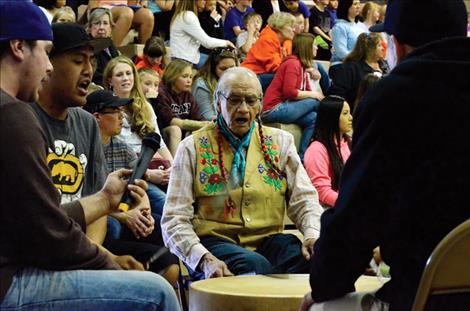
157	198
279	253
34	289
302	112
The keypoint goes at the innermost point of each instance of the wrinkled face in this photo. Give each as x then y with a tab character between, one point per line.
292	5
345	119
71	77
122	80
299	25
184	81
223	65
37	69
149	83
240	103
287	33
354	9
153	61
101	28
110	121
66	18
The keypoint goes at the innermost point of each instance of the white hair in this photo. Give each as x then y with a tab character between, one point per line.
230	75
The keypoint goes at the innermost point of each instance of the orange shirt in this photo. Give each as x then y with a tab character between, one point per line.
141	63
266	54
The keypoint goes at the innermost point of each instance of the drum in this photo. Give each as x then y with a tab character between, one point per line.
258	292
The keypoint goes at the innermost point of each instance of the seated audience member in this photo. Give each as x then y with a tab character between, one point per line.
121	77
224	214
366	57
325	157
187	35
175	105
223	6
331	8
296	6
50	7
162	12
290	98
247	38
100	25
298	28
233	24
266	54
205	81
407	165
61	269
138	237
126	17
153	54
320	26
345	32
211	22
64	15
149	81
367	82
370	14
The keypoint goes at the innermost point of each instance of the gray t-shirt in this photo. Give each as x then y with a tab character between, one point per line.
75	154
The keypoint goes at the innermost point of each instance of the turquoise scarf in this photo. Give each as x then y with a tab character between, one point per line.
239	160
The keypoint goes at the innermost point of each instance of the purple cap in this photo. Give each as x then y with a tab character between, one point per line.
417	22
23	20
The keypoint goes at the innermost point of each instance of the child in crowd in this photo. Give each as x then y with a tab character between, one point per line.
329	150
206	79
296	6
320	26
331	8
367	83
175	105
247	38
64	15
233	24
149	80
153	54
289	98
131	232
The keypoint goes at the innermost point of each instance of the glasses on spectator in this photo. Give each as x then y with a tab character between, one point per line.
236	101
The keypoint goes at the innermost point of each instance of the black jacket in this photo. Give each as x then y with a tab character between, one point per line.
102	59
406	183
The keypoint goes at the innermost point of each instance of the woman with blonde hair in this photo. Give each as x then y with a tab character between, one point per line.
175	105
290	98
370	14
366	57
122	78
265	56
187	34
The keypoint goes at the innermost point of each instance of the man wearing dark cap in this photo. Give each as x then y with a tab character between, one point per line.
46	261
405	185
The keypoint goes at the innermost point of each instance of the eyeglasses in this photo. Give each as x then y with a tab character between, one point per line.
236	101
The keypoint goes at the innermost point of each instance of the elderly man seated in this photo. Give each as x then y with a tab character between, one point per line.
229	186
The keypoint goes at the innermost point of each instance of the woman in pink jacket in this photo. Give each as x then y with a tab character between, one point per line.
326	155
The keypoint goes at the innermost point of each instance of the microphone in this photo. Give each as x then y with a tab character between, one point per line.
150	145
